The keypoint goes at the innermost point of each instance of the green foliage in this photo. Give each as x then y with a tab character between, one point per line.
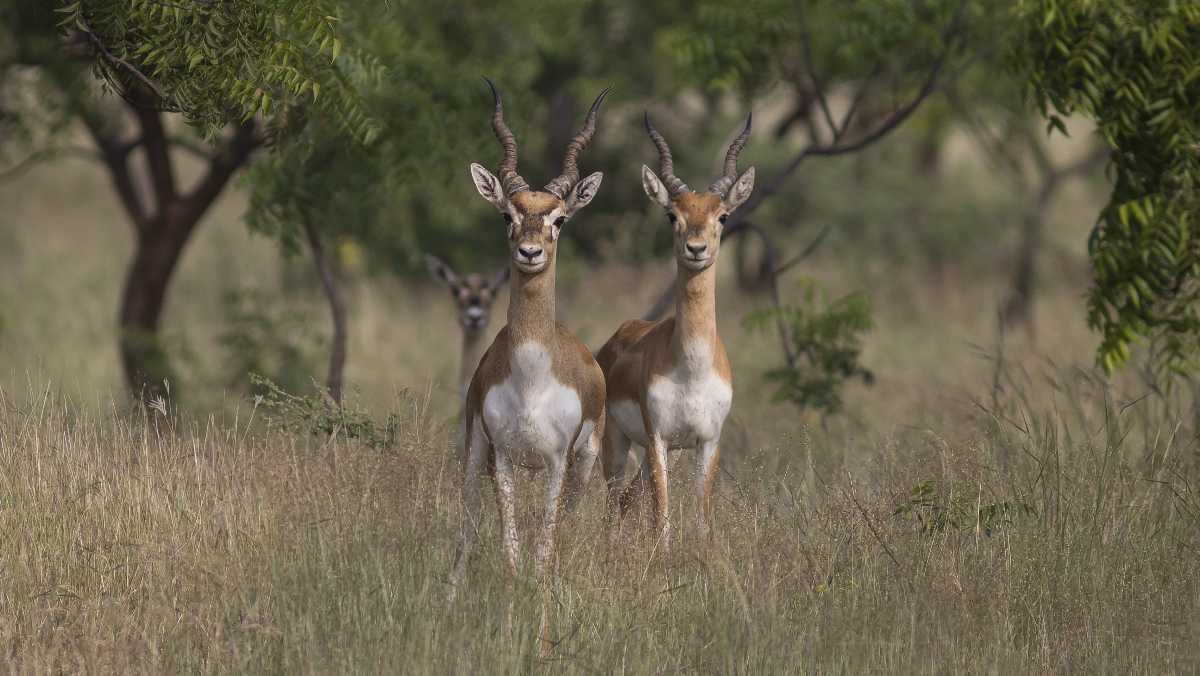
210	61
257	337
751	45
318	415
1132	66
936	506
826	339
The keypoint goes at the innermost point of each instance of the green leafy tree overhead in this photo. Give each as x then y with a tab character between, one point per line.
243	74
1133	67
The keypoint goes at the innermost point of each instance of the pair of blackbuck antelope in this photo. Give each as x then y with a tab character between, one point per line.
537	397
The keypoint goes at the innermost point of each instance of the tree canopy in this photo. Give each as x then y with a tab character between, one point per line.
1131	66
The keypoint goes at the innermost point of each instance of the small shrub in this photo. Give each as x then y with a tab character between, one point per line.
260	337
317	414
826	339
935	506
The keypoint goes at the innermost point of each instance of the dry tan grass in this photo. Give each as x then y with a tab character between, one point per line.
133	545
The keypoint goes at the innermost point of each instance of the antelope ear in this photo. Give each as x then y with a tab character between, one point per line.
582	193
740	192
440	271
501	278
489	186
654	188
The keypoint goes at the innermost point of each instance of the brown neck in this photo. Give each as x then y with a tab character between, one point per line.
531	307
695	308
472	350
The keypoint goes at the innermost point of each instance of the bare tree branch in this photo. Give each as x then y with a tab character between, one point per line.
115	154
228	158
45	155
893	121
197	150
154	141
856	102
1086	164
803	255
994	146
337	309
811	71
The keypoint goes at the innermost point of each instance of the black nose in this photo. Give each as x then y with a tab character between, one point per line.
696	249
530	252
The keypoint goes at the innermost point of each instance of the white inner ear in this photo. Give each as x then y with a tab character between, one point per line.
654	188
489	186
551	218
740	192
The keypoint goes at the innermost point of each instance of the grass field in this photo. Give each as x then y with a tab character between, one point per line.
988	505
1037	540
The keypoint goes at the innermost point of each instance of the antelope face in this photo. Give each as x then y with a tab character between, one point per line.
534	218
473	294
697	218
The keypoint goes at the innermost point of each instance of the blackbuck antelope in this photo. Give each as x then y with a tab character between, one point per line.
473	296
669	382
537	397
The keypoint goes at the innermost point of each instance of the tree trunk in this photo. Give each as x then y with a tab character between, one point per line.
337	311
163	222
143	355
1018	309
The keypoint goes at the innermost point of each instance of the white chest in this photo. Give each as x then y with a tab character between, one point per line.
531	413
686	406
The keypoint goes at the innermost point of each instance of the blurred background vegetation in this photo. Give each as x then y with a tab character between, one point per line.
194	160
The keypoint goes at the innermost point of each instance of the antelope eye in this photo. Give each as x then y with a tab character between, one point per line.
671	216
560	220
507	217
723	218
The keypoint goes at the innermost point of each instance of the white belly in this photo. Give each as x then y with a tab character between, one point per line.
532	414
688	411
687	406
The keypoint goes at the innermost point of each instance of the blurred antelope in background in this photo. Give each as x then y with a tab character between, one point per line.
537	397
669	382
473	297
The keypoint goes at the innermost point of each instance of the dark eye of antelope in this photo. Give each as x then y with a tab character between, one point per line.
723	218
558	222
671	217
507	217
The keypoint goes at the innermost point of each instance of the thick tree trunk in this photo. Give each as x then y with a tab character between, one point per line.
337	311
155	258
163	222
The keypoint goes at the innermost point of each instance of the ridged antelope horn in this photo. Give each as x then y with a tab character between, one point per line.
560	186
509	178
722	185
666	166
